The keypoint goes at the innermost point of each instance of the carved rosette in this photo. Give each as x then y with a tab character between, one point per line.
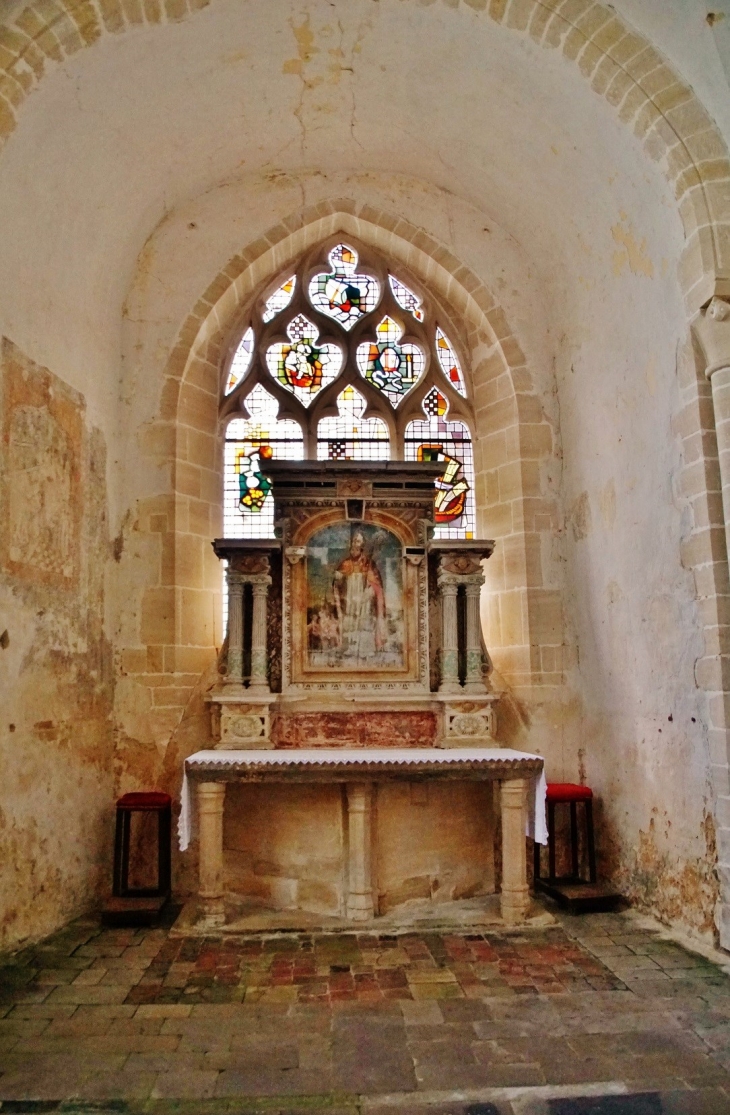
469	724
244	726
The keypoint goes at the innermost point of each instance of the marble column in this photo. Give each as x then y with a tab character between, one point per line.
449	637
211	799
260	588
474	679
359	822
234	670
515	892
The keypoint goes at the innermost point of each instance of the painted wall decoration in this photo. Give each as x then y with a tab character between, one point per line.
354	587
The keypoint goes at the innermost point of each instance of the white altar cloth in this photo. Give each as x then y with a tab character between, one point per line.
322	758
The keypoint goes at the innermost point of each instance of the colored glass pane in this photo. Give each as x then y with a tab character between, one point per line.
248	510
241	361
343	294
350	436
438	439
301	365
406	299
390	367
449	362
279	300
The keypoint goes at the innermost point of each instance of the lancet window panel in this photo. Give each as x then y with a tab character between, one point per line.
248	508
350	436
345	319
436	438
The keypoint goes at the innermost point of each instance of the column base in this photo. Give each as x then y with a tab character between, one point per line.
212	913
360	907
514	906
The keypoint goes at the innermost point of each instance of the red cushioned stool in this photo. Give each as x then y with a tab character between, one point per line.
151	802
567	793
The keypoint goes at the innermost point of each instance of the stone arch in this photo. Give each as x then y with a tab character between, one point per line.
523	615
620	65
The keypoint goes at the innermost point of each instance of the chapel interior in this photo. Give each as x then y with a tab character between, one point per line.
364	384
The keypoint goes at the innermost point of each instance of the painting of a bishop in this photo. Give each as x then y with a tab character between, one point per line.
355	607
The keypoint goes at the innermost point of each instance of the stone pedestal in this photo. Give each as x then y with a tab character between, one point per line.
469	721
515	892
240	719
359	832
211	799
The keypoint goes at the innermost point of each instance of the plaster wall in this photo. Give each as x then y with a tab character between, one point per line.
56	743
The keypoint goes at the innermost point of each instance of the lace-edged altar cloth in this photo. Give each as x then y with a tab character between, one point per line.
500	762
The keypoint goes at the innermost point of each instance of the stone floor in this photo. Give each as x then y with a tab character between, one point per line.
595	1016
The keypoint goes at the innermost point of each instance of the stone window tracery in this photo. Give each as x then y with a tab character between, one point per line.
343	359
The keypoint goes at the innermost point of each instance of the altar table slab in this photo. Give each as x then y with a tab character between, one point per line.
523	812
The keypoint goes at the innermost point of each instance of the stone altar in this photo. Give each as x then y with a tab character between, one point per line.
354	637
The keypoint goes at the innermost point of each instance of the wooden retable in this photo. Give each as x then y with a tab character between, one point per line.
359	769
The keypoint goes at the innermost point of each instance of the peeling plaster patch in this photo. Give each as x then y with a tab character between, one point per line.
607	503
304	36
675	892
56	753
579	517
632	253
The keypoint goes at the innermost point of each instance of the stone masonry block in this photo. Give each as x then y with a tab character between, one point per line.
618	88
512	616
133	12
539	21
158	615
545	616
112	15
7	119
518	14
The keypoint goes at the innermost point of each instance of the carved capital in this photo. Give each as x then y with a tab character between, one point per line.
460	563
712	329
295	554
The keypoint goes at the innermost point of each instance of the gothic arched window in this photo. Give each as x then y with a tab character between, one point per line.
342	359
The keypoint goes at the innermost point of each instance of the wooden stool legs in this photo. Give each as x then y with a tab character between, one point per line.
590	841
122	835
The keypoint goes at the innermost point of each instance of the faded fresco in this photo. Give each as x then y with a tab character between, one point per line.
354	584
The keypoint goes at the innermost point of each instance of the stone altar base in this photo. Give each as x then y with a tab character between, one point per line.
419	915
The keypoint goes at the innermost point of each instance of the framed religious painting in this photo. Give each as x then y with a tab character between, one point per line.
355	595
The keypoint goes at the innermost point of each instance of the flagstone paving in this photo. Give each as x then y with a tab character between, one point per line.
463	1024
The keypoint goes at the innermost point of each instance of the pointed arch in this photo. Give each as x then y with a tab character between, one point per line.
522	615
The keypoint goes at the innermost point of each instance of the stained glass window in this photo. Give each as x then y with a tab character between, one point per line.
438	439
350	437
248	510
241	361
343	294
280	299
449	362
390	367
330	351
303	366
405	298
